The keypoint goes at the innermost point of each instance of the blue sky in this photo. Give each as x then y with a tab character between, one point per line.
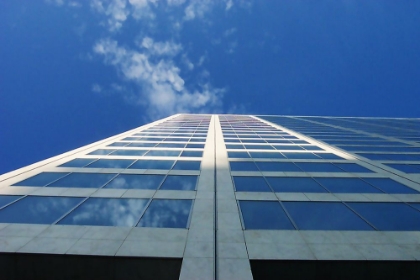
73	72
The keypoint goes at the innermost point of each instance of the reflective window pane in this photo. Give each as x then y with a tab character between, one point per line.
6	199
290	155
195	146
264	215
38	209
243	166
388	216
101	152
41	179
147	145
266	155
78	162
134	181
238	155
83	180
192	154
167	213
318	167
353	167
187	165
170	145
389	185
278	166
324	216
128	153
250	184
295	184
181	183
111	163
347	185
162	153
153	164
107	212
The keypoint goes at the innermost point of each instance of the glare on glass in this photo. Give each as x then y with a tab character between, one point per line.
167	213
153	164
78	162
181	183
135	181
123	212
111	163
38	209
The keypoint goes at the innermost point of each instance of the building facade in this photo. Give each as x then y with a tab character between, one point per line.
221	197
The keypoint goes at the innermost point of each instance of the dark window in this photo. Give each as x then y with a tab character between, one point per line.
250	184
187	165
242	166
295	184
278	166
347	185
181	183
264	215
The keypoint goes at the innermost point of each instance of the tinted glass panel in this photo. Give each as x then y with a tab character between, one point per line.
118	144
251	184
6	199
107	212
167	213
128	153
405	168
133	181
163	153
83	180
389	216
294	184
78	162
324	216
318	167
192	154
152	164
242	166
148	145
266	155
170	145
264	215
101	152
328	156
278	166
389	185
41	179
300	155
238	155
352	167
347	185
181	183
187	165
38	209
111	163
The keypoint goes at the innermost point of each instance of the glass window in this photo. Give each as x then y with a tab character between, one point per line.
259	147
328	156
194	146
404	168
353	167
101	152
192	154
318	167
152	164
41	179
347	185
6	199
128	153
295	184
234	146
250	184
324	216
187	165
78	162
312	148
38	209
135	181
278	166
388	216
83	180
288	147
167	213
180	183
118	144
389	186
197	140
170	145
145	145
243	166
238	155
162	153
111	163
415	205
266	155
123	212
264	215
300	155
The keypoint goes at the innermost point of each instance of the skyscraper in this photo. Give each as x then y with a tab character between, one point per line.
221	197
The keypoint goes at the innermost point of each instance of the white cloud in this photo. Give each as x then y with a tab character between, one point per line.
229	4
162	89
160	48
175	2
197	8
96	88
229	32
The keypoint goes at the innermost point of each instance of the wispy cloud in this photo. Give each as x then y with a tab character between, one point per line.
161	88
